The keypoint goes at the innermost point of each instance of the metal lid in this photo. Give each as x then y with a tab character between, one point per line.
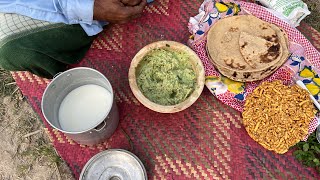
114	164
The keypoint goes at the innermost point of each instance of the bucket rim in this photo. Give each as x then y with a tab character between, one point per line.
61	74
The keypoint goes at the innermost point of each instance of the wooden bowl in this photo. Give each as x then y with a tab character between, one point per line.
197	67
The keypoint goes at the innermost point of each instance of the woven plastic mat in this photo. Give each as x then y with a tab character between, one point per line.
205	141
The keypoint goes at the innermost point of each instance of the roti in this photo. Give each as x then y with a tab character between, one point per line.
252	48
245	48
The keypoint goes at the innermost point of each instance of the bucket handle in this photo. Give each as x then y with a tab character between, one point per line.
100	128
56	75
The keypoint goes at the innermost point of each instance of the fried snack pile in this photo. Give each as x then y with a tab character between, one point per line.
278	116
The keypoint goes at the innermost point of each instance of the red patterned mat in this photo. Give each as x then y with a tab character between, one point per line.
206	141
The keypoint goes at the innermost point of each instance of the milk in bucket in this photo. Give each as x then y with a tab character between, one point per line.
84	107
80	103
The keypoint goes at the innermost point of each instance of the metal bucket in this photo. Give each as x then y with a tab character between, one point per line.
61	86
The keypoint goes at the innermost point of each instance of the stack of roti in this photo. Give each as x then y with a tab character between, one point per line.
245	48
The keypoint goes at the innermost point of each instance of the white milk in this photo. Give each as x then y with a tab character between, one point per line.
84	107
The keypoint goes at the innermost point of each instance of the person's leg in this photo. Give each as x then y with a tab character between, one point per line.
45	49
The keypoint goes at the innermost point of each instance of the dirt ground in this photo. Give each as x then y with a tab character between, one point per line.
25	151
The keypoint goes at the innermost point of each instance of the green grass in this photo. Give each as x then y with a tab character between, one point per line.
23	169
39	151
314	18
7	83
42	149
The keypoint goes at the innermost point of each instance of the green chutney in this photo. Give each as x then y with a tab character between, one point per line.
165	76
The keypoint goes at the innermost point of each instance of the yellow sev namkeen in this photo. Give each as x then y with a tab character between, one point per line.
278	116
